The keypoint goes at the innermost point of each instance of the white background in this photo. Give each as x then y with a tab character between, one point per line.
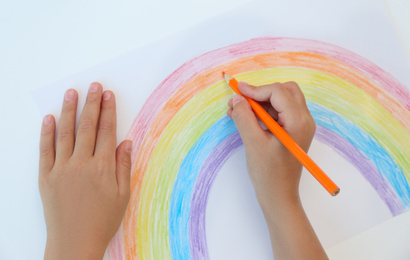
41	42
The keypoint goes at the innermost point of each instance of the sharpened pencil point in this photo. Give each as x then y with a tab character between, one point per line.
227	77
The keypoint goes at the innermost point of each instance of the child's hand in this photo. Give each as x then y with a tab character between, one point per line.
274	171
84	180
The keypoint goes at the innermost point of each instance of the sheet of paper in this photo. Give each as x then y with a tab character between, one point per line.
352	38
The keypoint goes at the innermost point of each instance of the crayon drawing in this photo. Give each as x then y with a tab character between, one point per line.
182	135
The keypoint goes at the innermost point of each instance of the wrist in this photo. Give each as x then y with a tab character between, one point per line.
292	235
276	188
280	206
59	249
278	197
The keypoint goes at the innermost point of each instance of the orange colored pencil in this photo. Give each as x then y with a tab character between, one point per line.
287	141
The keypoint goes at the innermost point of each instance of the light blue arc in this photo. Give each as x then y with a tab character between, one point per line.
184	184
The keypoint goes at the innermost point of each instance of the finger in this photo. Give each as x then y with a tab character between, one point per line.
107	136
123	166
246	121
254	92
230	103
268	107
66	126
296	92
229	112
298	98
47	153
87	126
275	93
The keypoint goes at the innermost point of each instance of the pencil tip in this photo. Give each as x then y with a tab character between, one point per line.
227	77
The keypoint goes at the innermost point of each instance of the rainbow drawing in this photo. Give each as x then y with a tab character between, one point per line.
182	135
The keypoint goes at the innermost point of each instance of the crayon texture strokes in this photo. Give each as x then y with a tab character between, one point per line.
182	136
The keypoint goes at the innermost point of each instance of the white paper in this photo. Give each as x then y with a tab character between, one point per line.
233	217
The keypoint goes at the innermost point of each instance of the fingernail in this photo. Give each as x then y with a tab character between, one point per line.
94	87
69	94
106	95
128	146
237	99
47	120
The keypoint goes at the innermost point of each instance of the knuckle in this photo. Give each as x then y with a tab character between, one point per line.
45	150
64	133
295	90
86	124
292	84
237	113
106	126
241	112
308	123
277	85
45	131
79	162
101	167
277	88
93	97
312	125
126	163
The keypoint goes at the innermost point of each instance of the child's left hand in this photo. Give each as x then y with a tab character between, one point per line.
84	180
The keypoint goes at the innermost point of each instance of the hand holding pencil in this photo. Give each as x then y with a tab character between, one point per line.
273	169
294	129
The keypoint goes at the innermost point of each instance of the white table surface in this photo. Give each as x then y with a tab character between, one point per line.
32	35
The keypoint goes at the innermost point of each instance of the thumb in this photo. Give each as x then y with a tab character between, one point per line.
246	121
123	166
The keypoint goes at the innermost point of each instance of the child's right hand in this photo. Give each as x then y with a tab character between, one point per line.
274	171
